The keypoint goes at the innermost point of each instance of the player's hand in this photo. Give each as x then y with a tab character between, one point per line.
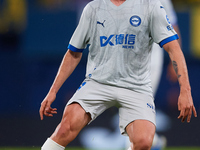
186	106
45	108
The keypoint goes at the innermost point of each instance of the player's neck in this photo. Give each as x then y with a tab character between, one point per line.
117	2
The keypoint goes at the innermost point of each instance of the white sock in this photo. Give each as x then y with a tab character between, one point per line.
129	148
51	145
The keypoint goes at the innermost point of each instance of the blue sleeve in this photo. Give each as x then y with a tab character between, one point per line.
74	49
169	39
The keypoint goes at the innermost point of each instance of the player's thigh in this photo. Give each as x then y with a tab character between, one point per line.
75	117
135	106
93	97
141	131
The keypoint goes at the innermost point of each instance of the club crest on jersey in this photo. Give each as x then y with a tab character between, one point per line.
135	21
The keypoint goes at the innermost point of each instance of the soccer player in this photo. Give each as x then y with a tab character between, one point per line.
120	34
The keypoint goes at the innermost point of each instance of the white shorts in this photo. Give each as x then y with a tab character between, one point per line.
95	98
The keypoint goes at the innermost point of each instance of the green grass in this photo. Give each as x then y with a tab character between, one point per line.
183	148
31	148
34	148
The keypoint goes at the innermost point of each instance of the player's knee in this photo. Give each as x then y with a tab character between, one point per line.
143	143
63	134
62	130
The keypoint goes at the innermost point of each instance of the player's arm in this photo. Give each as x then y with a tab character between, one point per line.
185	101
171	75
77	44
67	66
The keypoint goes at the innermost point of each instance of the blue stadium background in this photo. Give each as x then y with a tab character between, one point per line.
29	65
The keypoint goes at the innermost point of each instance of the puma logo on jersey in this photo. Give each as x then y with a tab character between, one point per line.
101	23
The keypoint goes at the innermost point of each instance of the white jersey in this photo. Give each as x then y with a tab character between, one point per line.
169	8
120	39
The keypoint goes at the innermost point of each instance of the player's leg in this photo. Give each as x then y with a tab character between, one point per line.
89	101
137	118
141	134
74	119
